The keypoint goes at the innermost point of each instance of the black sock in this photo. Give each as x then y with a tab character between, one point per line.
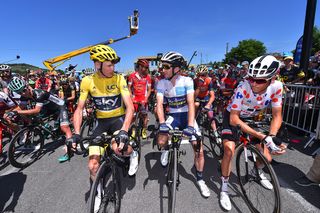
199	175
91	182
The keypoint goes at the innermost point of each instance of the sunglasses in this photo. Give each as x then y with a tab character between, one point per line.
166	66
258	81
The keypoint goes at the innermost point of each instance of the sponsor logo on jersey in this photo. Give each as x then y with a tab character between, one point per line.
239	95
111	87
107	103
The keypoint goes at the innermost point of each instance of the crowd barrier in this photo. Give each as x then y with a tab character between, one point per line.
301	106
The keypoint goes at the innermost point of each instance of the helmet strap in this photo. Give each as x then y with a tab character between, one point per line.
102	71
173	74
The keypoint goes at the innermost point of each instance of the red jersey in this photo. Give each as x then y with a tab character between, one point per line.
139	84
204	85
228	83
43	84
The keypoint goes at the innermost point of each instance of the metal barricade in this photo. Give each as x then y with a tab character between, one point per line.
301	107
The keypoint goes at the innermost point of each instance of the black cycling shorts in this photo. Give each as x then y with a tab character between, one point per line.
109	125
60	113
229	132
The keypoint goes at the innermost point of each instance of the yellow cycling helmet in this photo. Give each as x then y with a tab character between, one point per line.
301	74
103	53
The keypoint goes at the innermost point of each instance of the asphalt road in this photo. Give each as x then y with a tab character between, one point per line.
49	186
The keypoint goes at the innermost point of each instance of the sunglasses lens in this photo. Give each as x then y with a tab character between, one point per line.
258	81
165	66
261	81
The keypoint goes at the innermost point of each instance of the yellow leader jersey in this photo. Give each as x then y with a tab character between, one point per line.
106	93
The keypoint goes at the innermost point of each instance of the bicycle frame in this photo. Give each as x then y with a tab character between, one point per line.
5	127
245	140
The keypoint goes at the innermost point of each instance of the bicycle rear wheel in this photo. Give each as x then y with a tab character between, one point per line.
257	196
87	129
105	194
172	178
25	147
216	146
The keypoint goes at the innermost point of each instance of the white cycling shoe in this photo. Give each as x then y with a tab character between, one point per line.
134	163
164	157
263	179
97	201
225	201
205	192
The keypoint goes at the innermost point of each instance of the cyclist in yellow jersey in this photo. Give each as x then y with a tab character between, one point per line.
112	100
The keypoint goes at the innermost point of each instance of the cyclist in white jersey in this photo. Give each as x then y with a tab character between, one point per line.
178	90
252	95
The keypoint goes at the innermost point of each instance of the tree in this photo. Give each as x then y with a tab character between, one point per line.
315	40
247	50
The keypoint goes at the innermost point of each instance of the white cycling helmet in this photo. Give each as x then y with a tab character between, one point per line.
4	67
174	58
202	69
17	85
264	67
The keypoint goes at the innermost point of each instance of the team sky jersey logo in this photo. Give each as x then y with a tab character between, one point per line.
177	102
107	103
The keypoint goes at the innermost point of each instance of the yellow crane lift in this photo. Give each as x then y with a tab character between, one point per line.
134	26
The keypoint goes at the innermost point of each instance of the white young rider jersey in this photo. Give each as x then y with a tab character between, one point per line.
176	95
250	104
6	102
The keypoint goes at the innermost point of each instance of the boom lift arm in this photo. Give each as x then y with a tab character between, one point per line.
134	26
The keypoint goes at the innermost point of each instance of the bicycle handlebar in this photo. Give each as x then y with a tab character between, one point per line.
105	138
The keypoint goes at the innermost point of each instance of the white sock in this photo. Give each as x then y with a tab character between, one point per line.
99	190
134	153
224	182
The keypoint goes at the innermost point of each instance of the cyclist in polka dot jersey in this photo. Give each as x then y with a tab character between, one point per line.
254	94
250	104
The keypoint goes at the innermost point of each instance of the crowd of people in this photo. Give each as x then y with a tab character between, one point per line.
245	88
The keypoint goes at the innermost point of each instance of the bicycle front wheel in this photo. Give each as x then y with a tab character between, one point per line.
172	178
134	134
260	187
25	147
105	194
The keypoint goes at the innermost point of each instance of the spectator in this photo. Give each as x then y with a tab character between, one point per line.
43	82
290	73
313	176
244	69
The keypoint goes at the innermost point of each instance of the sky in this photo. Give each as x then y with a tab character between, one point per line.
40	29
